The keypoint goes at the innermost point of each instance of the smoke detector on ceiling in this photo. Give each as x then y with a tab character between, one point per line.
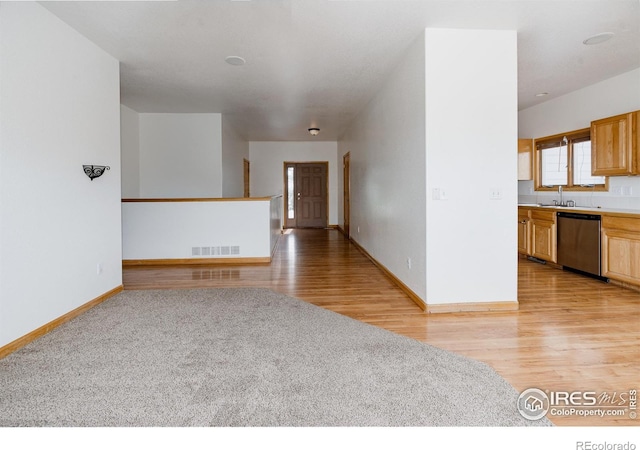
598	38
235	60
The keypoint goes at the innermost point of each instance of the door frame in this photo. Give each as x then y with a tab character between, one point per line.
346	193
246	170
292	223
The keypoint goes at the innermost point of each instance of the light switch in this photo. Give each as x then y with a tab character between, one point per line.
439	194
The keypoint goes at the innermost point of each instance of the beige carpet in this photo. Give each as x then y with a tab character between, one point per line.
242	357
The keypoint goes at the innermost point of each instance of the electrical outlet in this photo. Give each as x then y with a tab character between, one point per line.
616	190
495	194
627	191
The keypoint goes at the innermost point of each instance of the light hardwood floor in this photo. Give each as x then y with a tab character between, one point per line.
571	332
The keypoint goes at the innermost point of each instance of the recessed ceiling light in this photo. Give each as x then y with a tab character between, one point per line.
598	38
235	60
541	94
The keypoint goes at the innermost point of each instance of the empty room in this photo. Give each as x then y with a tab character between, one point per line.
319	213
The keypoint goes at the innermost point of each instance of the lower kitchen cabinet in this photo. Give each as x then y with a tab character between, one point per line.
524	235
543	235
537	233
620	241
621	249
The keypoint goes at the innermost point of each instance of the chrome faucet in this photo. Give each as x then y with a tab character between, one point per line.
569	203
561	202
560	192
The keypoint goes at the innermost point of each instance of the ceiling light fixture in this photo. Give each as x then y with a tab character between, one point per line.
235	60
598	38
542	94
314	131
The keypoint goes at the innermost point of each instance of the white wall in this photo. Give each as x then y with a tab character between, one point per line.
386	142
446	119
234	151
169	230
577	109
574	111
130	152
471	130
180	155
267	167
59	109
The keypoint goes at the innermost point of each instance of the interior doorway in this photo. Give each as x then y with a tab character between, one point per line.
306	194
247	178
346	159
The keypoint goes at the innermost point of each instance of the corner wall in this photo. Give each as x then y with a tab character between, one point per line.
59	109
426	155
471	135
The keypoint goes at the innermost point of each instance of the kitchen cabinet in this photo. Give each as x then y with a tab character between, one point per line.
524	235
543	235
621	248
620	240
615	145
525	159
537	233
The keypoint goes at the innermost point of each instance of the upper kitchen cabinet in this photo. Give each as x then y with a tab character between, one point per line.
525	159
615	145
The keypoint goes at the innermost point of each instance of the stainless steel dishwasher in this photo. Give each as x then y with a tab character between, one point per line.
579	242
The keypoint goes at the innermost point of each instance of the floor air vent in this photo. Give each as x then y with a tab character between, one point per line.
224	250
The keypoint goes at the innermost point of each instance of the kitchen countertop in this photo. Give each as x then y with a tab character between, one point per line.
586	209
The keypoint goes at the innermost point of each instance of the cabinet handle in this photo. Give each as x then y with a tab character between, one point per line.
523	222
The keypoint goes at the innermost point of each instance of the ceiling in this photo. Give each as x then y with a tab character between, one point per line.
316	63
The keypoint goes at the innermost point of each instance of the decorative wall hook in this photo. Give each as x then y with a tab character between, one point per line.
94	171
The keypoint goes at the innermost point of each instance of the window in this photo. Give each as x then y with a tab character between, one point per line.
290	193
565	160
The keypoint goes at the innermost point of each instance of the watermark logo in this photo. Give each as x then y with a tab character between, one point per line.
534	404
588	445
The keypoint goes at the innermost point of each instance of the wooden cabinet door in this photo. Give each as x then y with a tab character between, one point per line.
621	249
621	255
543	239
612	146
523	232
525	159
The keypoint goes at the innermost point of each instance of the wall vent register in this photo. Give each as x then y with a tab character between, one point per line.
225	250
